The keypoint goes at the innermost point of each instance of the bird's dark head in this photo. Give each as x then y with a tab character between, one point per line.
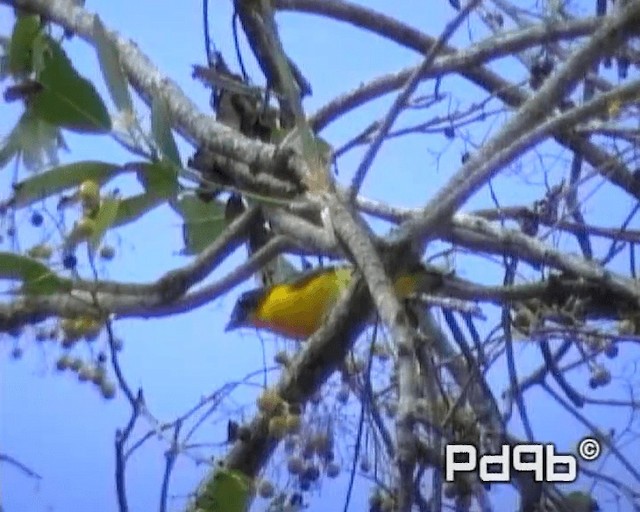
243	314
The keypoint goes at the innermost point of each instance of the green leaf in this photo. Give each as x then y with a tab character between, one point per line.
134	207
37	278
67	99
159	178
203	222
21	46
111	67
104	219
40	50
36	140
226	491
9	147
62	178
161	130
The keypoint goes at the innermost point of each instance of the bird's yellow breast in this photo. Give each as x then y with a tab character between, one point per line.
298	309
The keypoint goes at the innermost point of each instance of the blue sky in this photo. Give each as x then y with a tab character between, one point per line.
64	431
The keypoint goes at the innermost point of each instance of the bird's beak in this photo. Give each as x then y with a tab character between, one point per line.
237	318
231	325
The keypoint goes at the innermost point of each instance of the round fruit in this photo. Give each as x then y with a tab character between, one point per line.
85	373
16	331
295	465
278	427
84	228
266	489
37	219
320	442
601	376
611	350
89	328
70	330
69	261
108	389
63	363
293	423
333	470
99	374
311	473
244	434
89	194
282	358
107	252
270	402
387	504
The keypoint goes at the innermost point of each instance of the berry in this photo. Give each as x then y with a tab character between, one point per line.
108	389
293	423
601	376
311	473
365	465
63	363
69	261
37	219
305	484
611	351
278	427
15	331
282	358
84	228
244	434
270	402
98	375
107	252
333	470
85	373
295	465
89	193
266	489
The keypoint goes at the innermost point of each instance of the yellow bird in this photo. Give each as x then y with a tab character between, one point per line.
298	308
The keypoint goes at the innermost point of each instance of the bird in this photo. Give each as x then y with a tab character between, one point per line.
297	308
